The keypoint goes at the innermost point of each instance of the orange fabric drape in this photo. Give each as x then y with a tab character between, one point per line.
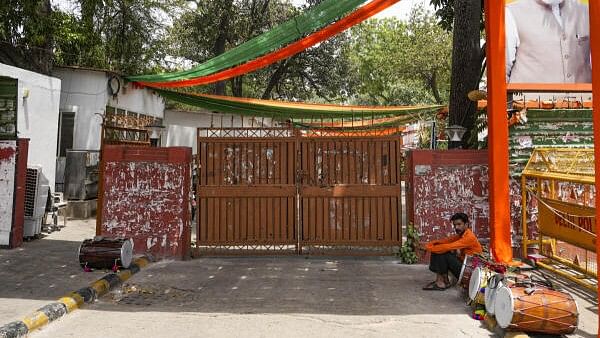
499	198
302	105
354	18
358	123
353	133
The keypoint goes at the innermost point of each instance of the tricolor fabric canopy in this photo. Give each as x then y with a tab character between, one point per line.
298	112
217	69
321	15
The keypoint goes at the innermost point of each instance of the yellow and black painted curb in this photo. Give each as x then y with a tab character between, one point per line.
70	302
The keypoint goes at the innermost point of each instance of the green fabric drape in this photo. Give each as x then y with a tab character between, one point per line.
321	15
285	111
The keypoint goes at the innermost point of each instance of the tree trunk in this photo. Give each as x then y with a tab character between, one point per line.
433	85
237	86
274	80
221	40
466	66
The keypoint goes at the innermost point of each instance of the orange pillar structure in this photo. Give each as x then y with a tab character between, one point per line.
595	46
498	132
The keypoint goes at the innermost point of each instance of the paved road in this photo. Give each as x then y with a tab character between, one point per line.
272	297
43	270
242	297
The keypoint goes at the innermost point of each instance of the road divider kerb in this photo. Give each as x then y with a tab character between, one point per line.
71	302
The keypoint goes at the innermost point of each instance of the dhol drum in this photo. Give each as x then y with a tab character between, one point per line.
469	263
536	309
494	282
105	253
478	283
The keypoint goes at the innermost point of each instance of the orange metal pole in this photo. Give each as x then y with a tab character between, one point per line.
595	46
498	132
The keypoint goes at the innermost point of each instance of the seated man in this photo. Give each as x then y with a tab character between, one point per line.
448	254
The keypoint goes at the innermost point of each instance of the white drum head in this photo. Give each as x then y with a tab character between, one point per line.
504	306
490	294
475	282
127	253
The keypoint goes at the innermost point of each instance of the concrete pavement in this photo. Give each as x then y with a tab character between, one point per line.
43	270
269	297
243	297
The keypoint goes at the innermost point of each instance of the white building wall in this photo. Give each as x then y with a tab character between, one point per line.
181	126
142	101
37	116
85	92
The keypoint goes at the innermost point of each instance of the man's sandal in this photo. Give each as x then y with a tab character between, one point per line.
434	287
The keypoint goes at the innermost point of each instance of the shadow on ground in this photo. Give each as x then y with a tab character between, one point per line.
342	286
47	269
42	269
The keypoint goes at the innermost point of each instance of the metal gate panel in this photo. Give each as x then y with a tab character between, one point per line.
247	192
350	192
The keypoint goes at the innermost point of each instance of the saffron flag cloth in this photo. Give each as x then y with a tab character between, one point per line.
319	16
297	111
354	18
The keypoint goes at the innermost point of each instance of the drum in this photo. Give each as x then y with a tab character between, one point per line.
466	271
105	253
494	282
478	283
536	310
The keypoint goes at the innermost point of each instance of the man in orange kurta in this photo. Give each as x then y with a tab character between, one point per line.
448	254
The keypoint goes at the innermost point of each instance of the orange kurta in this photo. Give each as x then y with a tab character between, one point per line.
467	243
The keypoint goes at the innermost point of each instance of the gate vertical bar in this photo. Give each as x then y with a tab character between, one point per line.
298	179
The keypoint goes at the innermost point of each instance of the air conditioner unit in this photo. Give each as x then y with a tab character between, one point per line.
36	196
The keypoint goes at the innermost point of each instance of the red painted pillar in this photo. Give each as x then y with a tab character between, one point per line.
595	46
498	132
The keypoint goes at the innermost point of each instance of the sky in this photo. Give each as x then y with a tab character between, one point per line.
399	10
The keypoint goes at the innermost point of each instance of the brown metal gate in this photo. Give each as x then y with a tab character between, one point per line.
272	190
350	193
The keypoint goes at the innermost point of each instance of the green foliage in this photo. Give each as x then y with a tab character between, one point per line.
408	251
26	33
480	126
121	35
466	21
317	74
398	62
444	10
381	62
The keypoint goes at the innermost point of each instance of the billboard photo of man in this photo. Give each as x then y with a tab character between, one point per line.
547	41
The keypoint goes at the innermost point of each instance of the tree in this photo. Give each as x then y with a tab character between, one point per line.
121	35
399	62
467	58
26	34
315	74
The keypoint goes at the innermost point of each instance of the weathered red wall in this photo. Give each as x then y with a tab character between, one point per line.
441	183
21	178
145	196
